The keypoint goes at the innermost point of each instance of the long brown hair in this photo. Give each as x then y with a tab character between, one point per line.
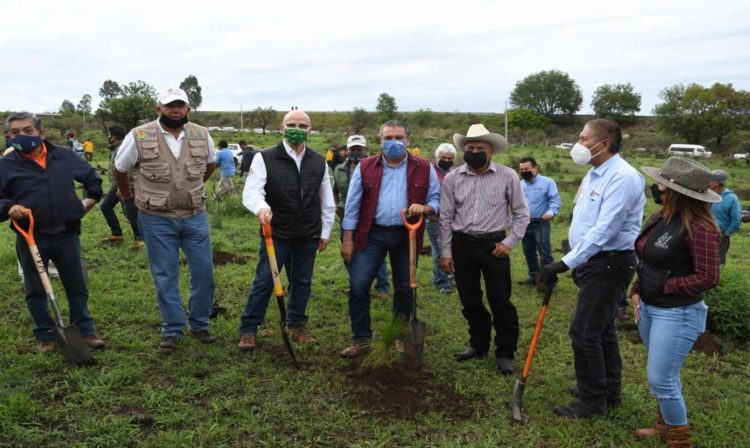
691	211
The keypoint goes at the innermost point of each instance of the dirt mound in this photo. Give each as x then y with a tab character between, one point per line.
222	258
706	343
400	393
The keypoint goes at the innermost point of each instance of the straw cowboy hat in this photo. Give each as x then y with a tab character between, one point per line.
684	176
477	132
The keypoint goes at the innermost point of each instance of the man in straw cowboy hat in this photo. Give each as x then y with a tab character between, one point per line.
474	217
678	253
606	220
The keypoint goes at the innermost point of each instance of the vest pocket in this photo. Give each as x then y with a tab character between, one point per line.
197	196
198	150
155	171
150	151
195	170
652	280
152	200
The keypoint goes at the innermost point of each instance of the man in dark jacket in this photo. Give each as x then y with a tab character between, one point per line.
248	152
39	176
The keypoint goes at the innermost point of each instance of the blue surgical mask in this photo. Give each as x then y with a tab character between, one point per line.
26	143
394	149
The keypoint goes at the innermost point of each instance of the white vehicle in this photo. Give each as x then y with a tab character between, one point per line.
683	149
564	146
741	156
237	152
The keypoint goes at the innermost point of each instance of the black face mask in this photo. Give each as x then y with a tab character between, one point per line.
355	157
445	165
527	175
172	123
475	160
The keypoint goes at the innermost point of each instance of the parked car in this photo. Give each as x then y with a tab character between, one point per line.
741	156
564	146
686	150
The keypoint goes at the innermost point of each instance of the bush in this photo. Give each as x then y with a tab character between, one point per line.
729	305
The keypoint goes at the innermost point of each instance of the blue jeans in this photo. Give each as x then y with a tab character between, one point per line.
381	281
363	270
669	334
164	237
535	241
439	278
299	258
64	249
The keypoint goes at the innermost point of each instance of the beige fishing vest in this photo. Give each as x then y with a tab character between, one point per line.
167	186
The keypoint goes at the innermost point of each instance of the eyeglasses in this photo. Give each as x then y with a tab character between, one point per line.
298	125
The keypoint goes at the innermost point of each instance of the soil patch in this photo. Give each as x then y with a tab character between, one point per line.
706	343
222	258
400	393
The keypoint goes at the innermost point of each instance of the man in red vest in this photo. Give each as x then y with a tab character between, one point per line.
380	187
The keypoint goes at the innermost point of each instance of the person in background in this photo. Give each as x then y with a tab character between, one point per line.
445	155
225	162
678	250
356	146
728	212
544	203
8	144
39	177
479	202
88	150
247	158
606	220
415	151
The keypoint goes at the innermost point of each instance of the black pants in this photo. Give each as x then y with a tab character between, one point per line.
472	258
723	249
107	207
603	282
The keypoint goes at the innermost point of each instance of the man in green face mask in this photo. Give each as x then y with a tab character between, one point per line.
288	186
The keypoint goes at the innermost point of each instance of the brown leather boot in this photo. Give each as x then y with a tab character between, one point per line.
678	437
659	428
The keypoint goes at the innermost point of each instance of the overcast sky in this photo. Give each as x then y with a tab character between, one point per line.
337	55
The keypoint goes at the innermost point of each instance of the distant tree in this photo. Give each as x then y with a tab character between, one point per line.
696	113
67	106
616	101
84	106
193	90
262	117
525	119
386	107
135	105
110	89
422	118
549	93
359	119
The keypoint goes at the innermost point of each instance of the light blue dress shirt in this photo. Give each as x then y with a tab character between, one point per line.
392	198
541	196
608	211
225	160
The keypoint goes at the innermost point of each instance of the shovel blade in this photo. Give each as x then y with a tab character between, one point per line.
414	349
516	403
71	344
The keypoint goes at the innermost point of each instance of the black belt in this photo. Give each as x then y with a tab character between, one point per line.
536	220
387	228
494	236
613	253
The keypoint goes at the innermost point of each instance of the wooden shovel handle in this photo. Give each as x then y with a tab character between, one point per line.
277	289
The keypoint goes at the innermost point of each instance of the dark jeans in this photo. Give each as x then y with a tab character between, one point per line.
64	249
723	249
362	272
598	367
299	258
107	207
472	258
535	241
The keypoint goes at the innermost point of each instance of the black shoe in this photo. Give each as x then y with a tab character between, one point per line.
203	336
528	282
469	353
169	342
577	409
612	402
504	366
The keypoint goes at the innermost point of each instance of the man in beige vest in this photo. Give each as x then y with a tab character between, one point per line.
173	158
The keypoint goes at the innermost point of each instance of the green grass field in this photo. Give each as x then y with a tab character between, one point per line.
216	396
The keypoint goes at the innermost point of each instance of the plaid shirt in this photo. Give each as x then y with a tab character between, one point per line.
704	247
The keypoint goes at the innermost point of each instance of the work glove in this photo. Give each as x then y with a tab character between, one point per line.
549	273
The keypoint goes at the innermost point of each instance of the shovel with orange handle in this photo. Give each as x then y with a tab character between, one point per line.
414	346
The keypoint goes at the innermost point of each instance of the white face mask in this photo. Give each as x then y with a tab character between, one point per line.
581	154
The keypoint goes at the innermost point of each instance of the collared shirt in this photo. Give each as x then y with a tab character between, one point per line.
127	156
391	199
608	211
541	196
254	193
478	203
728	212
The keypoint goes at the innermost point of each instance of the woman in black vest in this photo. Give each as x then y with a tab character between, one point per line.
678	252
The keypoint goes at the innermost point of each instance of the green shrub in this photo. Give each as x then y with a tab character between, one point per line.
382	351
729	305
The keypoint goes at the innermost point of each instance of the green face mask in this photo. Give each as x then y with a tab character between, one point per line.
295	136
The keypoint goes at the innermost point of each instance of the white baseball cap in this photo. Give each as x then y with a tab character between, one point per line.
356	140
173	94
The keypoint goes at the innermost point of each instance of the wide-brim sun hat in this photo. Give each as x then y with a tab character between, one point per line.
477	132
684	176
